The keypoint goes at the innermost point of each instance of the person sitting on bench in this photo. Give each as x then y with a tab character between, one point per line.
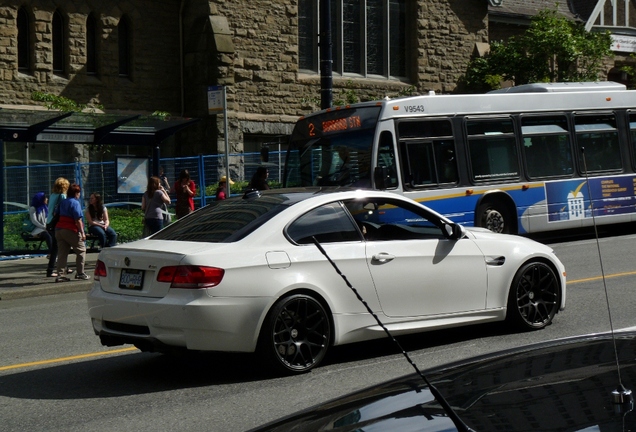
38	212
98	222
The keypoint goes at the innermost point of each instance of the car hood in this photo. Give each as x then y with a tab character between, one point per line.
559	385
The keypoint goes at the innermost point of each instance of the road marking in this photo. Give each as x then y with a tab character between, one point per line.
64	359
595	278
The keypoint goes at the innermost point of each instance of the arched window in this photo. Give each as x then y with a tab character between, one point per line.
91	45
124	40
24	40
59	63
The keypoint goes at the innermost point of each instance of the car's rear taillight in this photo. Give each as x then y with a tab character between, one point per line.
190	276
100	270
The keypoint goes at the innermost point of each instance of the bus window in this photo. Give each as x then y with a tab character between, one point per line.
493	149
546	147
386	160
427	152
597	142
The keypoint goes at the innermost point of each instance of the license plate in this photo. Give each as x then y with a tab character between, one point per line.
131	279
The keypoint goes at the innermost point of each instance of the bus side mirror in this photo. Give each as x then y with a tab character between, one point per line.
264	154
380	174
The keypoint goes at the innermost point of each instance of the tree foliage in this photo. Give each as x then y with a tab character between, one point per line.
553	49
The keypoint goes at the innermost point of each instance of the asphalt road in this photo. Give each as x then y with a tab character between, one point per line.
54	374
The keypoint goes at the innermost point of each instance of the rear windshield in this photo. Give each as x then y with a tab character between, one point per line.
225	221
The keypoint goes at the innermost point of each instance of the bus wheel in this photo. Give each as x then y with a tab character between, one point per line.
494	217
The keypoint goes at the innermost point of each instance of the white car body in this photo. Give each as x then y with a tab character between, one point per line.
411	285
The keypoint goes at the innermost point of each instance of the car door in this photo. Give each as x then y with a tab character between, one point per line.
416	270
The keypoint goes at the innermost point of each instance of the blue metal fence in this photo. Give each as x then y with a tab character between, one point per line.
22	182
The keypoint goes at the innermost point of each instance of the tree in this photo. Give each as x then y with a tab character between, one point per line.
553	49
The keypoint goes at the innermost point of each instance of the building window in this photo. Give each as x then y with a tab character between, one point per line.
91	45
59	65
24	40
123	37
368	37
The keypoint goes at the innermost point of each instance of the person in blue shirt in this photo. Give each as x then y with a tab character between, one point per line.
69	233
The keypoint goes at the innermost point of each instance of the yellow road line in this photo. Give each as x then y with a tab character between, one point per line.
64	359
595	278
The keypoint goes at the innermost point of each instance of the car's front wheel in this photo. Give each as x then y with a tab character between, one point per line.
296	334
534	296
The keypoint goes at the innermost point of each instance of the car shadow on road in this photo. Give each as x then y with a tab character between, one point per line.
413	342
145	373
130	374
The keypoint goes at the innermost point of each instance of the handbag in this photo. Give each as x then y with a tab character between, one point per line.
56	215
167	217
27	225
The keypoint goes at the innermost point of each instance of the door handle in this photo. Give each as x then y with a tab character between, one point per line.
383	257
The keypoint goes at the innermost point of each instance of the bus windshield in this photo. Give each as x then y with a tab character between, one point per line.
332	148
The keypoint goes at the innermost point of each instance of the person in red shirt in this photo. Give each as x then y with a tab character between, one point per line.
185	190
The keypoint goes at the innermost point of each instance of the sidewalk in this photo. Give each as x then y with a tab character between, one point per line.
25	276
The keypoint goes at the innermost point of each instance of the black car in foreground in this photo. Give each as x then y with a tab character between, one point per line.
573	384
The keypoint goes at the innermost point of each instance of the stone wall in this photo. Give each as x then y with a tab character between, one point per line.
153	84
250	46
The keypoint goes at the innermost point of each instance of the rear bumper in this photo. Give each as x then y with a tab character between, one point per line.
183	319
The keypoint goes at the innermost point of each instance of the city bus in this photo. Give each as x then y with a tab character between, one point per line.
526	159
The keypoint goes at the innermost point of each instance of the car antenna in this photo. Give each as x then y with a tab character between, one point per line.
457	421
621	396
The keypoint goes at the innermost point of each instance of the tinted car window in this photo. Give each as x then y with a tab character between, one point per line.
328	223
382	220
225	221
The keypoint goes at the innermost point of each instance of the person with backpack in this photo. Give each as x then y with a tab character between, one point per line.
60	187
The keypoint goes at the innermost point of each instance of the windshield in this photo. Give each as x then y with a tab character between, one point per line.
332	149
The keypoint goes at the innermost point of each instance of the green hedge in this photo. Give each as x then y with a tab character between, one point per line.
127	223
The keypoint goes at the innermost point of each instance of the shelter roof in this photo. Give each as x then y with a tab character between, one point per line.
26	125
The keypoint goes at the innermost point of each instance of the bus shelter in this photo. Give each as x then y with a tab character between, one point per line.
29	126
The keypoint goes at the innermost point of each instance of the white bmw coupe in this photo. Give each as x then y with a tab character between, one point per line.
248	274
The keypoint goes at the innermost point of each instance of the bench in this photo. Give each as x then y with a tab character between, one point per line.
34	243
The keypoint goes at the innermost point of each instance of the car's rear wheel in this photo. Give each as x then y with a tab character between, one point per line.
296	334
534	296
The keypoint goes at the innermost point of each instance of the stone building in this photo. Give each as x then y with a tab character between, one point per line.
148	55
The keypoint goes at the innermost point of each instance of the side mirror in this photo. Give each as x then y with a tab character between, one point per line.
454	231
380	175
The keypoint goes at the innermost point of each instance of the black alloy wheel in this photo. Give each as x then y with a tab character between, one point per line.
296	334
534	296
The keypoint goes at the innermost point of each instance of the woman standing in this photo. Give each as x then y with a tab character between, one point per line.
185	189
99	223
38	213
59	194
151	202
69	233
